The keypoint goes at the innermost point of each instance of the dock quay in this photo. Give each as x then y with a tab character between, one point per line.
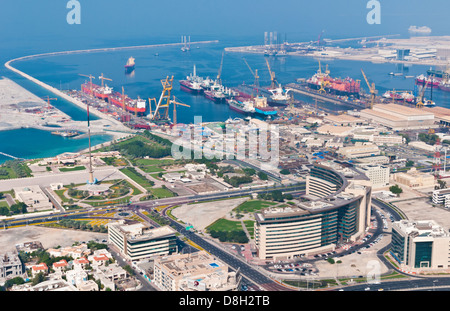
303	90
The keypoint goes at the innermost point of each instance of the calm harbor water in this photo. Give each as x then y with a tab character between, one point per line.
155	64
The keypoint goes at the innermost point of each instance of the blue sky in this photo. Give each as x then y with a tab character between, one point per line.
45	20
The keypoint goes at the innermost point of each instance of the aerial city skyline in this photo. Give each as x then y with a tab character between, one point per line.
280	147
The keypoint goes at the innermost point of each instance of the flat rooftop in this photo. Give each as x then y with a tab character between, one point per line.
381	115
402	110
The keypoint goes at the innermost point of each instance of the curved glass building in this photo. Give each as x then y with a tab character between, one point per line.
337	212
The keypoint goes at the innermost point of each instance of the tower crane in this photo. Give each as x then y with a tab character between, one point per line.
273	81
255	74
103	79
90	80
373	91
123	100
175	104
48	99
420	102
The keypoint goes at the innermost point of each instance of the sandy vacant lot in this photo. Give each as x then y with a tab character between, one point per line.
47	236
203	214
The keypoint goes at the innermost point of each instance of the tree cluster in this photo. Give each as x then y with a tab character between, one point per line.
230	236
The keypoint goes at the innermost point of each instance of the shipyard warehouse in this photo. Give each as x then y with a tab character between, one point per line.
398	117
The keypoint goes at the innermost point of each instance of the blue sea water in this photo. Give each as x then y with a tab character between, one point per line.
63	72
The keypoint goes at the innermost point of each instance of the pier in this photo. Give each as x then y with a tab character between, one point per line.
9	156
299	88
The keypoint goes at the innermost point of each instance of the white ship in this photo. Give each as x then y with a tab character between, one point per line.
421	30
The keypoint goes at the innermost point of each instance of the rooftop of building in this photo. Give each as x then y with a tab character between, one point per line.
402	110
422	228
190	263
342	118
139	232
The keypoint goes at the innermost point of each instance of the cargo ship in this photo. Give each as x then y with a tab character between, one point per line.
445	85
135	106
432	82
241	105
219	93
279	96
130	65
438	73
215	95
336	86
101	92
403	96
262	107
192	83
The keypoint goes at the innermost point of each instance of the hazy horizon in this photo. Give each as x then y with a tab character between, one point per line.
42	26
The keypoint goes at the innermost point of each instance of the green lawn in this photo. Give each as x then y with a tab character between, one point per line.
4	204
160	193
61	195
141	180
249	224
71	169
151	169
253	206
144	162
225	225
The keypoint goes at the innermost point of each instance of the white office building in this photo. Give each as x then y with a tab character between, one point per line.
378	175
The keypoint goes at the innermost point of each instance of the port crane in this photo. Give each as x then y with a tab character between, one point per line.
48	99
219	74
323	82
373	91
420	102
90	80
255	74
164	101
103	79
273	80
175	104
123	100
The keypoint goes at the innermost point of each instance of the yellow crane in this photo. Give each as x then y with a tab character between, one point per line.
164	100
373	91
420	102
273	80
255	74
150	100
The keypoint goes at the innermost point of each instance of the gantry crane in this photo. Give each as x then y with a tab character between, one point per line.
373	91
103	78
164	100
255	74
420	102
273	80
